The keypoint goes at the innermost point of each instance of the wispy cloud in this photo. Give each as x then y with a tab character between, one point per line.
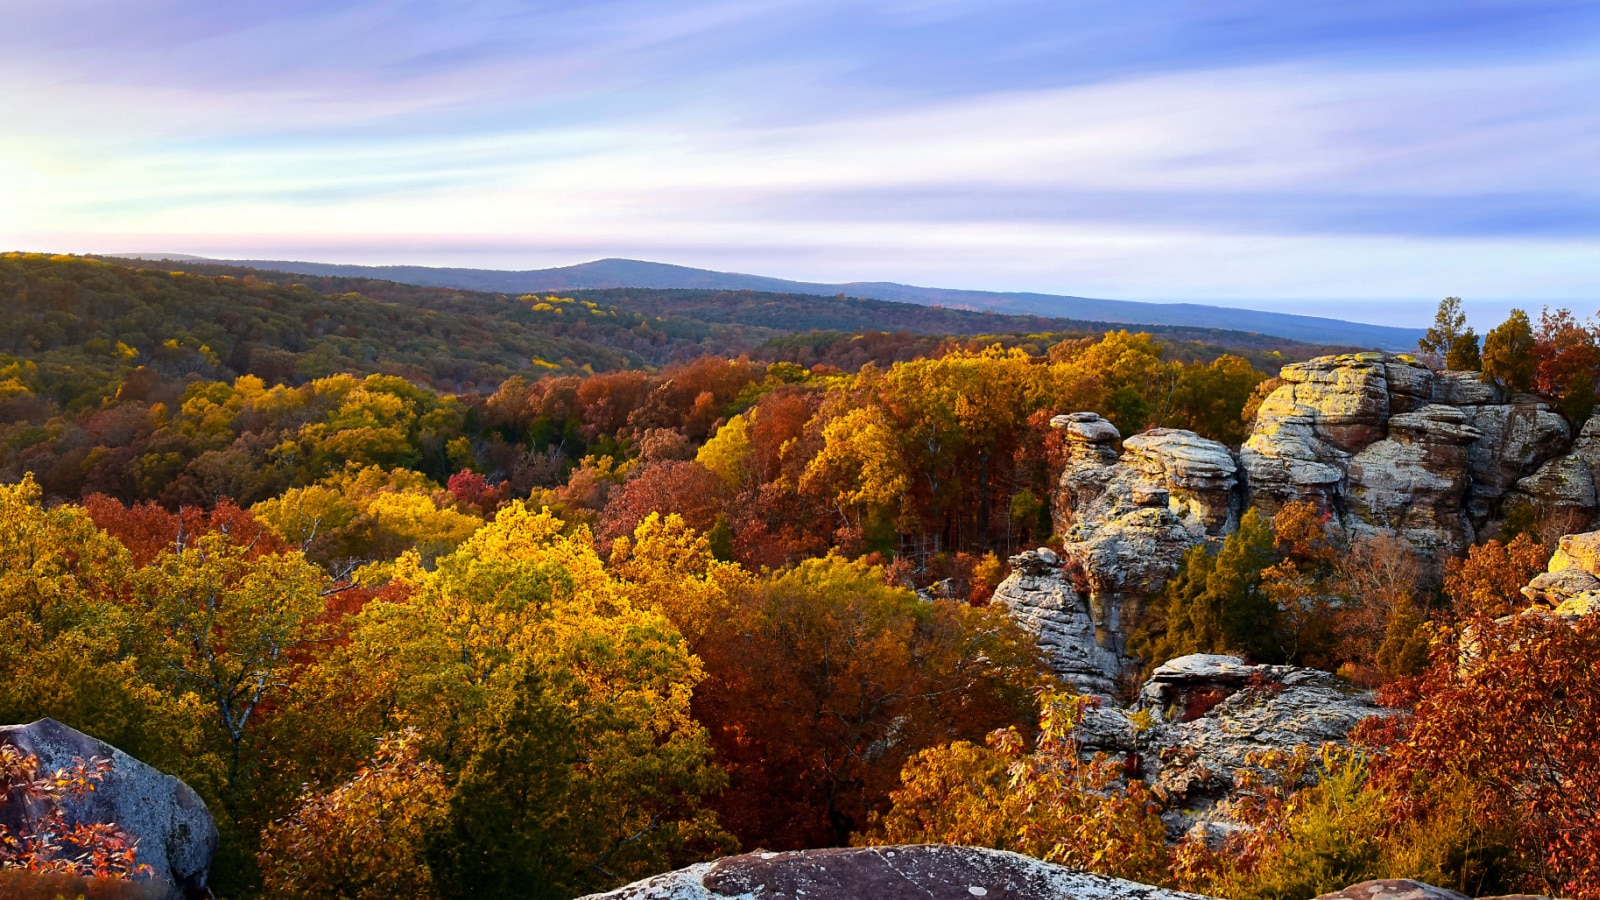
1229	150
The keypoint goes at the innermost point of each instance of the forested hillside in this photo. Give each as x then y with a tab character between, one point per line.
439	594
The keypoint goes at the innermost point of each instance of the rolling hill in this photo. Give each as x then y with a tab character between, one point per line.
629	273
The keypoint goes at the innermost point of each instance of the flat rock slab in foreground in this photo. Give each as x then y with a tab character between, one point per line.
915	872
1406	889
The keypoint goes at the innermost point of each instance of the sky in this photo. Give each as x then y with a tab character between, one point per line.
1350	158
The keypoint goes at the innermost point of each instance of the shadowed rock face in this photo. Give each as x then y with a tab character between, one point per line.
175	834
1127	517
1041	596
915	872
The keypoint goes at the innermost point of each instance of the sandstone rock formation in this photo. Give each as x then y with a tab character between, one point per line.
1381	441
1406	889
174	831
1393	889
915	872
1209	712
1386	442
1127	517
1042	597
1570	586
931	872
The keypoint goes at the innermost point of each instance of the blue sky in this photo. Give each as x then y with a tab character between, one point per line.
1358	159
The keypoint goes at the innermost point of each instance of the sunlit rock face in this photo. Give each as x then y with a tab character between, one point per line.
1385	443
1570	586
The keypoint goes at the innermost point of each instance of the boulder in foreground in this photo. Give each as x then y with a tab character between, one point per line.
174	832
914	872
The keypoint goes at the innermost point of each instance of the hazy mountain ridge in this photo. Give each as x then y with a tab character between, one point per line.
628	273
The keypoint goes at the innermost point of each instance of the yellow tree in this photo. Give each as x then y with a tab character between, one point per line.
667	567
228	629
858	470
363	839
527	609
70	637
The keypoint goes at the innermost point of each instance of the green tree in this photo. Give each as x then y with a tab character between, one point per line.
1509	356
1215	604
506	831
229	629
1450	339
71	638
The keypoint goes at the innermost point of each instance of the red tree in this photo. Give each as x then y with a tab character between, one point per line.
1514	719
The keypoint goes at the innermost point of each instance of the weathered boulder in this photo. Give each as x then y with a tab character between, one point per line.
1213	711
1457	388
1570	586
1346	397
174	832
1414	482
1563	486
1199	477
1517	437
1206	713
1330	409
905	872
1041	597
1586	446
1406	889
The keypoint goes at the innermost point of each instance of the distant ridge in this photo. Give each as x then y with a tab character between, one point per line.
632	273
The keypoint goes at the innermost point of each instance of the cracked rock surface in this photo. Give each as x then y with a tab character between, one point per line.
907	872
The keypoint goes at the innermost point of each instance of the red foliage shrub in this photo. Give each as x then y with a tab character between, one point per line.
1515	716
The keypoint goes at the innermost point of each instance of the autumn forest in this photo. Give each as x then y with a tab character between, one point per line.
433	593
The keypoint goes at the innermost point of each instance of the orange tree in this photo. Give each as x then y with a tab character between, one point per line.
823	679
1488	580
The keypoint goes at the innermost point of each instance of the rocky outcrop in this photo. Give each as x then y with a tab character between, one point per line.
1380	441
1570	586
1386	443
174	832
1391	444
1041	597
934	872
1126	517
914	872
1204	714
1414	481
